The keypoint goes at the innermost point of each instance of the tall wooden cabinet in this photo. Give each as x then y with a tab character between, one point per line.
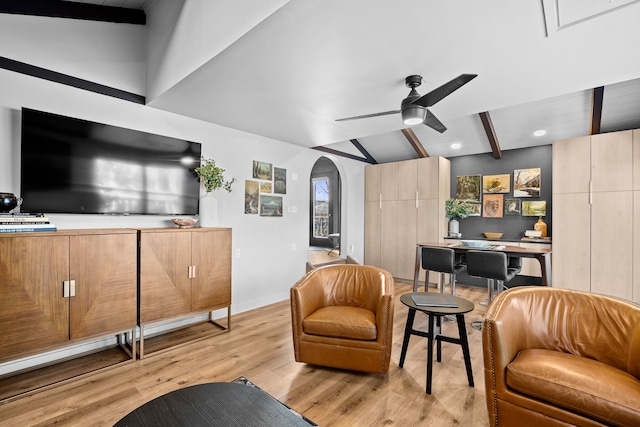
67	286
596	198
404	205
183	272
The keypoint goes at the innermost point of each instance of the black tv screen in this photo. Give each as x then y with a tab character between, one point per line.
75	166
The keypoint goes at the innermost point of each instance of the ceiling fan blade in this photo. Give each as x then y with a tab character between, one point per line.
366	116
433	122
446	89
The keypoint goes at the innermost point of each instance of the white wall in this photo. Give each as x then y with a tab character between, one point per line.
268	265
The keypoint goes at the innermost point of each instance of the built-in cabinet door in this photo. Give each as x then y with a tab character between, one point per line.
572	241
593	214
611	162
636	159
571	170
211	281
612	243
165	286
407	180
104	269
33	311
372	183
428	178
406	234
389	236
372	237
389	185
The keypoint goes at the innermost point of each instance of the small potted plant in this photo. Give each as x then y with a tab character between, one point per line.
456	209
212	176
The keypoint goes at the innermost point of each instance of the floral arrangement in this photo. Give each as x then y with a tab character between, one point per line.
455	208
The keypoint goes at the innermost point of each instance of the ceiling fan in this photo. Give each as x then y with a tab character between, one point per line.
414	107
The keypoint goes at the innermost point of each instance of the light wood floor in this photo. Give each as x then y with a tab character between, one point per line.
259	347
321	257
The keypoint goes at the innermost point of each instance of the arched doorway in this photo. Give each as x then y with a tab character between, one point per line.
325	205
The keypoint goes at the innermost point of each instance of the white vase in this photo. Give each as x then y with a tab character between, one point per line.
454	226
208	211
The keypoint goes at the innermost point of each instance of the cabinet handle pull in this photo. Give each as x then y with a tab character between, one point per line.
72	286
193	269
189	271
379	200
65	289
416	199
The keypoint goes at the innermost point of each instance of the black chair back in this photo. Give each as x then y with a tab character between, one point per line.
439	259
492	265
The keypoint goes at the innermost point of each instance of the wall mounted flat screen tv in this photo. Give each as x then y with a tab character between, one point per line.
76	166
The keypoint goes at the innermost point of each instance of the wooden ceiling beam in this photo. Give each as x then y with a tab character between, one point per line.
491	134
415	142
597	94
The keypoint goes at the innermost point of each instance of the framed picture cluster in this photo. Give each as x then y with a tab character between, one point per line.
262	194
497	196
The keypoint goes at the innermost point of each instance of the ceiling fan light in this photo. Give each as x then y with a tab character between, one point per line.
414	115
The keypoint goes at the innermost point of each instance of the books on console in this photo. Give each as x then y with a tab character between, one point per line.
24	223
433	300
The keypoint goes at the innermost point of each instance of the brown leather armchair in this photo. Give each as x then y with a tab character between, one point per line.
342	317
556	357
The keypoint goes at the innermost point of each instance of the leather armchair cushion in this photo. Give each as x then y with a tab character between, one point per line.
342	322
578	384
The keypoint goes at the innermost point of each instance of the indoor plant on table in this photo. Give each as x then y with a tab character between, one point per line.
456	209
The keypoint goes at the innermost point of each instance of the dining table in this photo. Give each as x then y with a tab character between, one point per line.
542	254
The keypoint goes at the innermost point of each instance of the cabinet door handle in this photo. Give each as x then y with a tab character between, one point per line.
379	200
72	288
190	271
416	199
193	269
65	289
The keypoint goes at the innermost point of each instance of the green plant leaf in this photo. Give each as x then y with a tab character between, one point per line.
212	176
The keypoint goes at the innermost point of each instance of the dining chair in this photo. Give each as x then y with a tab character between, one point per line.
496	267
443	261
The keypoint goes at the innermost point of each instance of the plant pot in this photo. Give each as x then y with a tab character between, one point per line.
208	212
454	226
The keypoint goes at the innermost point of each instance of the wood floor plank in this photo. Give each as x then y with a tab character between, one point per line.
259	347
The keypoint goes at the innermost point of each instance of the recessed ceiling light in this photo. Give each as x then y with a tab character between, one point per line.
456	145
539	132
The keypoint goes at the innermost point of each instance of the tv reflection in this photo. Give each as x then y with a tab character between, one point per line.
131	187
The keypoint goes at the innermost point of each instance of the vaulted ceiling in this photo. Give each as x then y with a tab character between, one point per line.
569	67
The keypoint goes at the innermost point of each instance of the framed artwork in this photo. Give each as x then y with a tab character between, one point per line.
468	188
526	182
476	209
251	197
279	180
534	208
512	207
496	183
262	170
266	187
270	205
492	205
